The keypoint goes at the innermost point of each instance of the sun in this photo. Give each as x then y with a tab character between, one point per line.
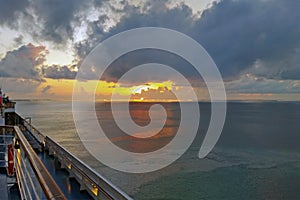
150	85
140	88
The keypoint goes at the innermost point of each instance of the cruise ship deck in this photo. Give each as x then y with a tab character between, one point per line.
33	166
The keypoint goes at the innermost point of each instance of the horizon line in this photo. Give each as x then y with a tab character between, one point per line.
158	101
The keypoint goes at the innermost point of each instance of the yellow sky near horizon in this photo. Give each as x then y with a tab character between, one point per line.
63	89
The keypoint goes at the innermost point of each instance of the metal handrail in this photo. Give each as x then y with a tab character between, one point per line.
49	186
26	184
88	174
37	134
108	189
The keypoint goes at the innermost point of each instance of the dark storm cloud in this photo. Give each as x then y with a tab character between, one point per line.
236	34
293	74
10	10
57	17
156	15
58	72
50	20
153	13
126	62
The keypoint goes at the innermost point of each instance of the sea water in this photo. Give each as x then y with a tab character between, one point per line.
256	157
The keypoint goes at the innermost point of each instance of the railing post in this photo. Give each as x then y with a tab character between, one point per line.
29	121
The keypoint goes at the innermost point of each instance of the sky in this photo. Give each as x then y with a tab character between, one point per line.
254	43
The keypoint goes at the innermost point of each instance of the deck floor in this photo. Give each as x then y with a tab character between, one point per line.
3	188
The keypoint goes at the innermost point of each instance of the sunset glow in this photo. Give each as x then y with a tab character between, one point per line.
63	89
104	90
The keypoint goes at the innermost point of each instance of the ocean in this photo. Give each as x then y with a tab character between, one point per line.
256	157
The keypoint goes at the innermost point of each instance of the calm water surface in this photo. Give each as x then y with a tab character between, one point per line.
257	156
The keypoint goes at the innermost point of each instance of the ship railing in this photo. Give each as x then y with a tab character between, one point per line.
97	185
34	180
35	132
91	181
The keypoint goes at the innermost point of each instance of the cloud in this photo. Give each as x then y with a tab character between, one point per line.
128	61
23	62
58	72
162	93
21	88
28	62
56	18
19	40
150	13
11	10
237	34
46	89
249	83
46	20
